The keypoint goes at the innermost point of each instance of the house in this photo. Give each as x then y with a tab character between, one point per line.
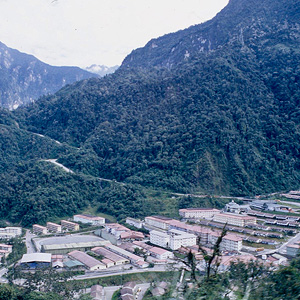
160	253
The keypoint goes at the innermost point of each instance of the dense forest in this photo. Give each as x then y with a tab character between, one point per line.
221	116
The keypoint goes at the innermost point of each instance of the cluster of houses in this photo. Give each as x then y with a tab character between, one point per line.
68	225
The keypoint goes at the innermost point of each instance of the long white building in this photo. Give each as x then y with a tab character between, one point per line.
198	213
158	221
234	219
89	219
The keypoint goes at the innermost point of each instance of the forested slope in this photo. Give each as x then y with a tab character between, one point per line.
224	120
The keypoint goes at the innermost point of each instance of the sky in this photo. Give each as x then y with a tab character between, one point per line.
85	32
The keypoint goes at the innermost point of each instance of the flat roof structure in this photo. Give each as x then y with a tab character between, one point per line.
65	244
36	257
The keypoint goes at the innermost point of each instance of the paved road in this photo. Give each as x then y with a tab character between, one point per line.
29	245
291	202
54	161
107	273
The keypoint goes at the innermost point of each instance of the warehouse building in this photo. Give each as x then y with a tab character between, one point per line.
134	259
36	261
115	258
90	262
67	247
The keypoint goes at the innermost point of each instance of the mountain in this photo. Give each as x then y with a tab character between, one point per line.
240	21
223	120
101	70
23	78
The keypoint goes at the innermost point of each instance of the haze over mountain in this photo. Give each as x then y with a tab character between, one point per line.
23	78
101	70
213	108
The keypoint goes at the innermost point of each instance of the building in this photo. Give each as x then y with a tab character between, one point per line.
160	253
5	250
198	213
38	229
234	219
53	227
90	262
159	238
158	222
69	226
131	236
134	222
115	258
10	232
181	239
230	242
233	207
68	247
293	249
97	292
89	219
116	229
36	261
134	259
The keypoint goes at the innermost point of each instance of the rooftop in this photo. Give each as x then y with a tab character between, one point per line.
36	257
86	259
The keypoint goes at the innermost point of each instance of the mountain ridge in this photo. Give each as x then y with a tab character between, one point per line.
24	78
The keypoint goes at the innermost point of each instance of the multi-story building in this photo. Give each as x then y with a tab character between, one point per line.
230	242
10	232
70	226
198	213
159	238
181	239
89	219
38	229
53	227
158	222
234	219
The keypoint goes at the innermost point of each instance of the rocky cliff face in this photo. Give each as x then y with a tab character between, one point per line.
245	21
23	78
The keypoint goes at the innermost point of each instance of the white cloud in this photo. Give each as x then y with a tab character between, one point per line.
83	32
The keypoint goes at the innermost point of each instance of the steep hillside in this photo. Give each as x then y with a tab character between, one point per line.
23	78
